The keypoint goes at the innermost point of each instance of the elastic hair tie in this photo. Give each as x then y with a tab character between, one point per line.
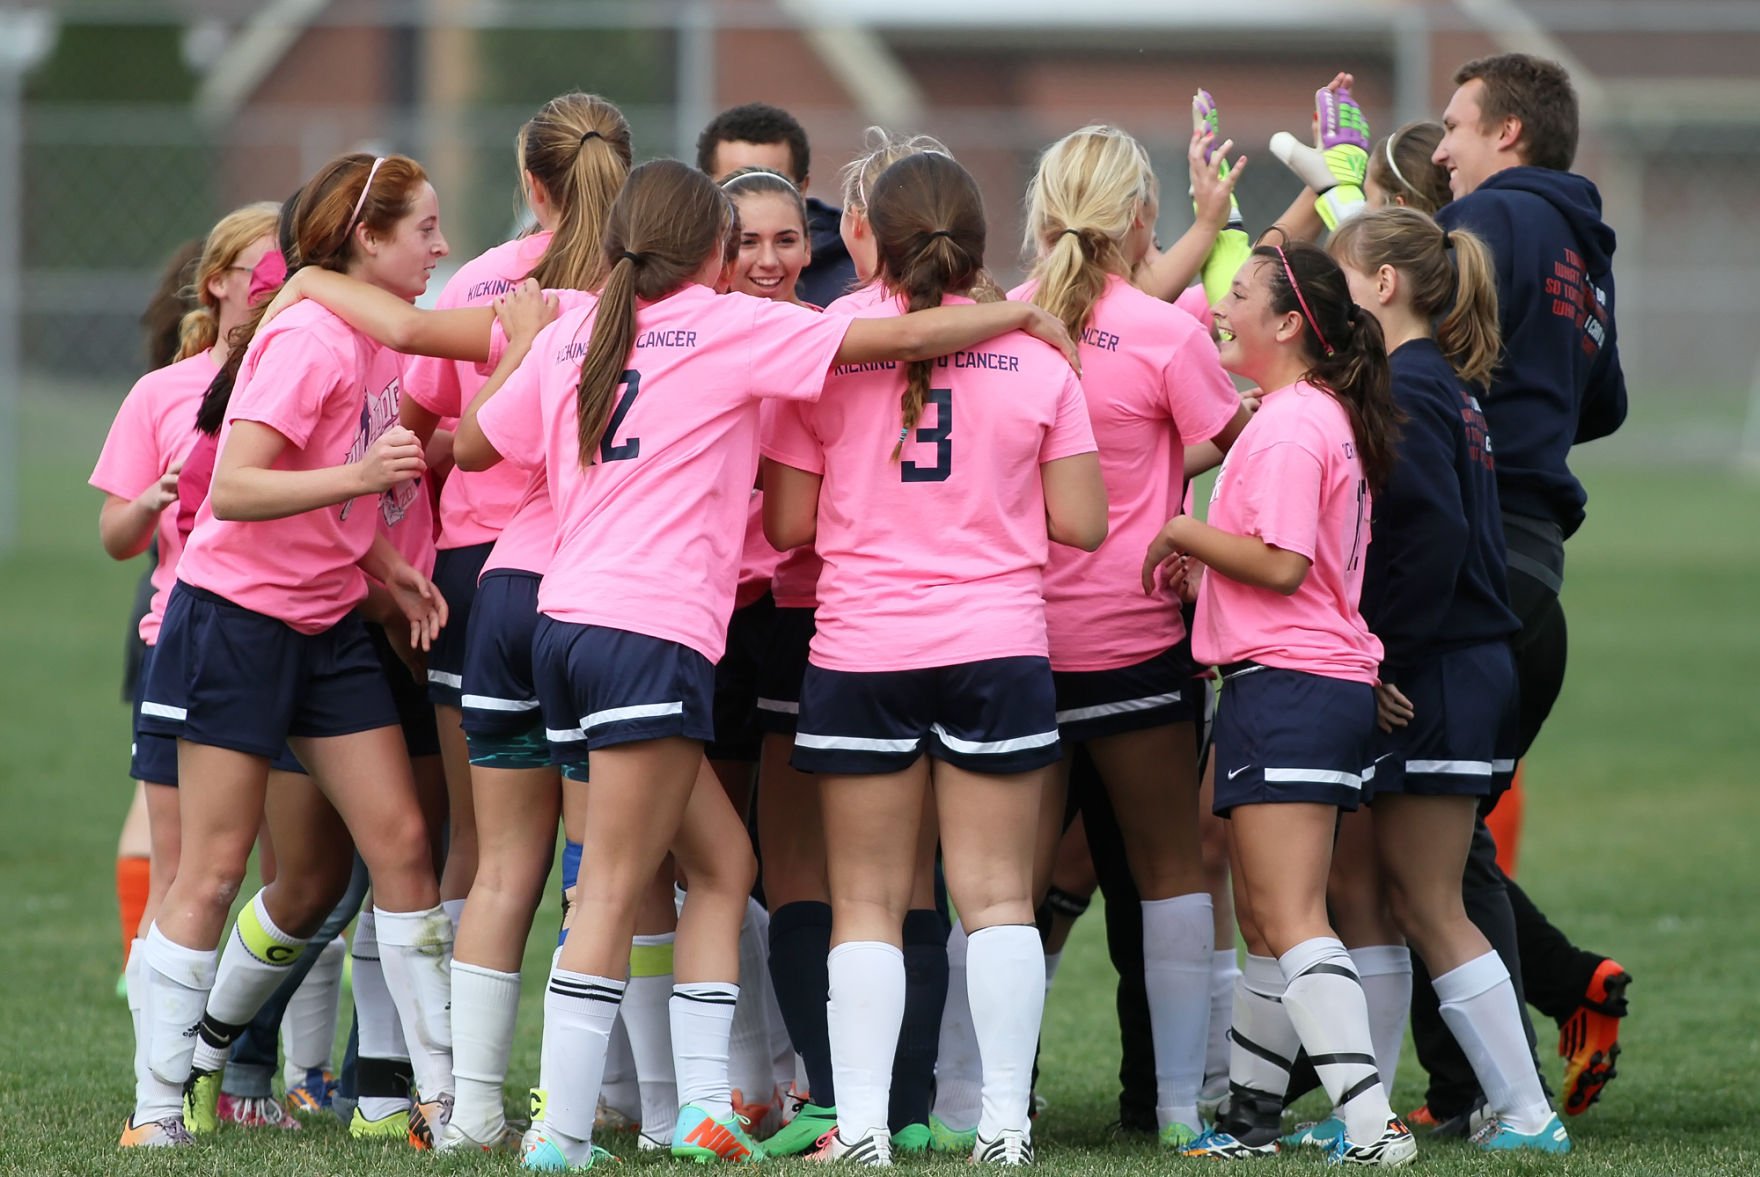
1395	167
1070	232
947	233
1302	302
589	135
635	259
362	202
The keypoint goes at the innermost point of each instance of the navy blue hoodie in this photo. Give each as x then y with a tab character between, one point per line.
1560	381
1433	577
831	274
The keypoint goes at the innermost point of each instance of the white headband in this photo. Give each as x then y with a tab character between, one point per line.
362	202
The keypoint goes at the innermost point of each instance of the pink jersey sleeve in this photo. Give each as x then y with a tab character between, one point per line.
305	369
1193	303
1200	396
434	385
792	349
786	437
1070	433
130	461
513	419
1279	496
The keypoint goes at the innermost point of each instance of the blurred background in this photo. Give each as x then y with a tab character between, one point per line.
128	126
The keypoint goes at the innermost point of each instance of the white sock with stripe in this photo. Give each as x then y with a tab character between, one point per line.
381	1033
748	1068
1008	1003
702	1021
959	1072
1177	936
647	1025
1324	1000
1262	1044
579	1011
1386	973
1479	1004
863	1017
485	1006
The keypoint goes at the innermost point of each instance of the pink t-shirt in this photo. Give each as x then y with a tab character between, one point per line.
153	430
649	535
1293	479
795	583
528	541
757	559
331	392
474	506
1192	301
938	558
1153	385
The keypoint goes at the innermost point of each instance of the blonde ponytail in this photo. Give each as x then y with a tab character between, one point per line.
1089	188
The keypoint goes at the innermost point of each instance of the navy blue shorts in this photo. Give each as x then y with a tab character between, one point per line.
415	715
1153	693
785	665
455	574
599	687
995	716
1463	727
153	757
229	677
1287	736
500	698
737	734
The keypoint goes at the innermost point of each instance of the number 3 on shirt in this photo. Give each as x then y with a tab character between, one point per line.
631	383
941	434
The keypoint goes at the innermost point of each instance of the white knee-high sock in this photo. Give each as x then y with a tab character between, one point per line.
1225	970
1386	973
308	1029
1008	1003
381	1033
454	909
620	1089
176	981
647	1022
748	1070
579	1011
863	1017
1325	1001
1263	1041
959	1073
1479	1004
1053	960
1177	945
253	964
415	948
485	1006
136	987
701	1013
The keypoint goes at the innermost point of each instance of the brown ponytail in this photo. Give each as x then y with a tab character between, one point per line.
578	147
1346	353
929	231
1449	274
666	222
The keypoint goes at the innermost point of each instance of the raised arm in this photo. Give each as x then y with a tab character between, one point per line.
1166	274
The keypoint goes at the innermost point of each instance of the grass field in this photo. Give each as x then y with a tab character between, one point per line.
1643	831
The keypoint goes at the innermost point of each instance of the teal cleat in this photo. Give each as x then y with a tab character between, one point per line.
1499	1137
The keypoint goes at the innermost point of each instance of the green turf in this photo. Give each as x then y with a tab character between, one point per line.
1642	831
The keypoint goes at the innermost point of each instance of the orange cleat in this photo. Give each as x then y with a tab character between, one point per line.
1588	1040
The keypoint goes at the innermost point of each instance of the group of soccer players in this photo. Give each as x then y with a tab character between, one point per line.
834	602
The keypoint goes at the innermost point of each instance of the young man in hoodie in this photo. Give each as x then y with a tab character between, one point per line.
1510	137
758	135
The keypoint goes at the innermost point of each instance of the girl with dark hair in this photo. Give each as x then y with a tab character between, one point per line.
928	664
642	409
1281	563
261	646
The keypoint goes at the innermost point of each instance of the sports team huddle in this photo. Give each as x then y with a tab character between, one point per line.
853	619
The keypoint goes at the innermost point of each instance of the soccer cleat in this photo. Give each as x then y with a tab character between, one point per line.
950	1140
428	1119
702	1138
315	1093
1422	1117
1394	1147
762	1119
1588	1040
1498	1137
874	1149
253	1111
122	986
610	1119
1009	1148
1176	1136
541	1153
166	1133
201	1097
1315	1134
1217	1145
392	1127
455	1139
912	1139
801	1134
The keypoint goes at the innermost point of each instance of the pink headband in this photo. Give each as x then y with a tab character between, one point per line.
1302	302
362	202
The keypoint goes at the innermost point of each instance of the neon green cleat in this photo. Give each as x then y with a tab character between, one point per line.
201	1099
392	1127
950	1140
912	1138
1176	1136
800	1134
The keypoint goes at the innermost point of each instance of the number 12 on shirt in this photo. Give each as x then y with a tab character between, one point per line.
941	433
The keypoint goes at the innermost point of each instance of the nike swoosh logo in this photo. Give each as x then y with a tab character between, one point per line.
1238	771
